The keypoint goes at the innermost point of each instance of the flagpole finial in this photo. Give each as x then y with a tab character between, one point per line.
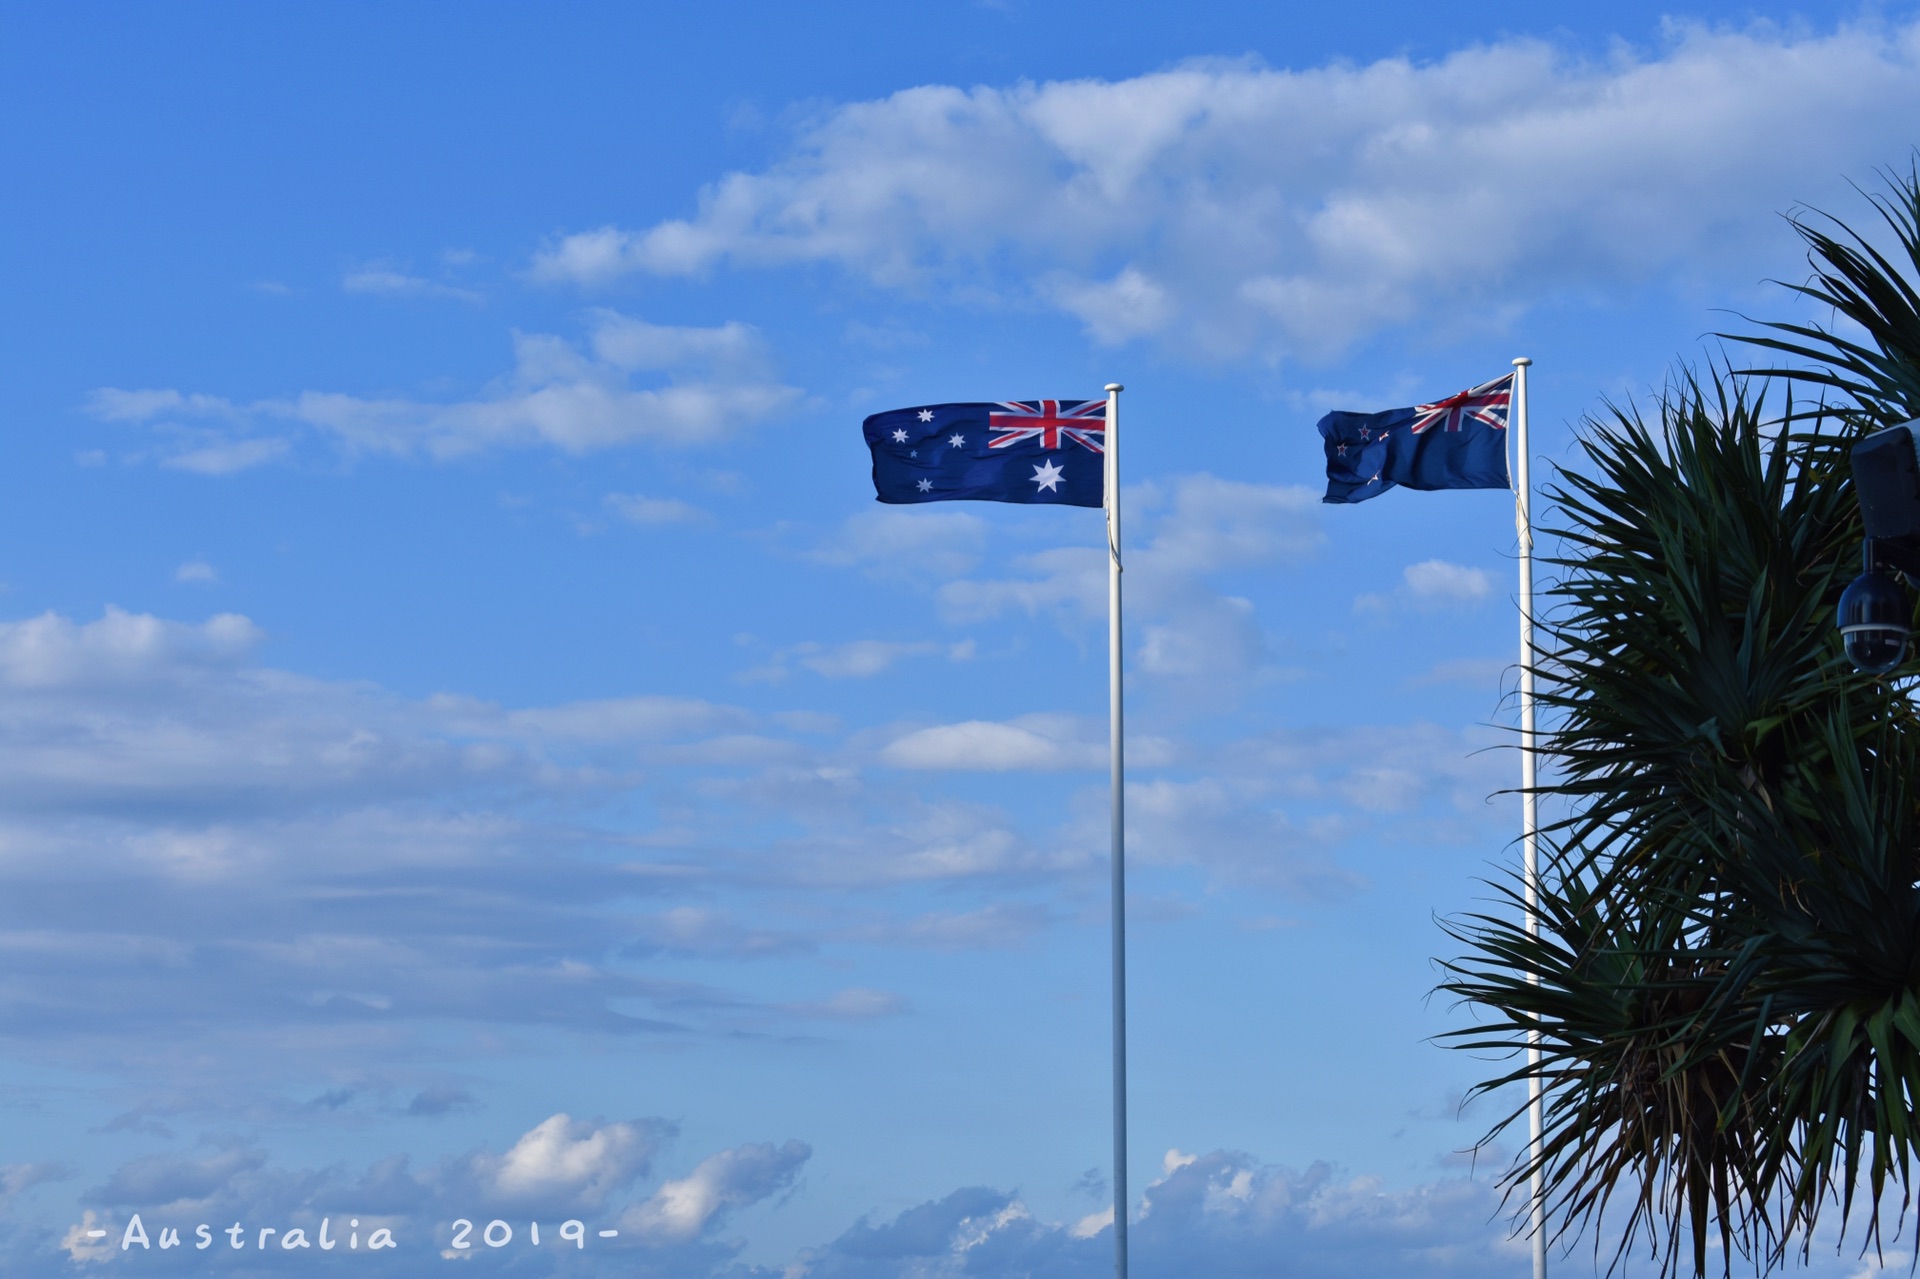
1522	362
1115	386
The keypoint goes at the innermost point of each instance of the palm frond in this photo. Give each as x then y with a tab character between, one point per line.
1858	282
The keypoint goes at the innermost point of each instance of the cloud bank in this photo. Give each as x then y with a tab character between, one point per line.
1226	207
198	848
1222	1213
711	384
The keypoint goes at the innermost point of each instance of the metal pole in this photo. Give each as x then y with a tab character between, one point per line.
1529	814
1116	728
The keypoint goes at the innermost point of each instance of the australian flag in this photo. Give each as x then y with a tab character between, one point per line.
1046	452
1456	443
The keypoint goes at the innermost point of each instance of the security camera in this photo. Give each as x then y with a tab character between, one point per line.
1874	622
1875	616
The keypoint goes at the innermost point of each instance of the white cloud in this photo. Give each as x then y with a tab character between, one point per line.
79	1242
718	385
1484	671
131	710
854	659
587	256
1223	206
1092	1224
1039	742
912	840
637	509
1274	810
1203	524
1031	742
856	1003
1179	534
1070	580
1176	531
643	718
196	571
700	930
112	405
162	1180
52	651
861	659
1381	770
1213	637
571	1161
1000	924
385	280
627	343
1430	585
1436	582
688	1207
911	543
225	457
1118	310
1236	830
17	1179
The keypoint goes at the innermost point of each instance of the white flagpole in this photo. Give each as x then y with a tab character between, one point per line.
1529	814
1116	727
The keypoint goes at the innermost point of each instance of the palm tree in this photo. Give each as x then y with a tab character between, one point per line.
1726	974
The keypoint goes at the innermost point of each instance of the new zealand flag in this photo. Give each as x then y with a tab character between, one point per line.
1456	443
1045	452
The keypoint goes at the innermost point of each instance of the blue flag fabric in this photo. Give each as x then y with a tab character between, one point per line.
1041	452
1456	443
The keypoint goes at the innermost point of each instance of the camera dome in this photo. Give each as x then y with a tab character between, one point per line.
1875	619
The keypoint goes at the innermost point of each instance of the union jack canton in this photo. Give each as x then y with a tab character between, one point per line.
1487	403
1456	443
1082	421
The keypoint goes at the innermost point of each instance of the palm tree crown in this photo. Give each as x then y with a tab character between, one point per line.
1726	972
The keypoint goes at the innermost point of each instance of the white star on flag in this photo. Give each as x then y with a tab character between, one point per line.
926	486
899	437
1048	477
956	440
926	415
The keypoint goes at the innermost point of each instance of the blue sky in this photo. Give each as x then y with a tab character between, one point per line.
475	749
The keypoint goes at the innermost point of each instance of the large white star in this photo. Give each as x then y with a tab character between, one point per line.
957	441
1048	477
926	415
899	437
926	486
